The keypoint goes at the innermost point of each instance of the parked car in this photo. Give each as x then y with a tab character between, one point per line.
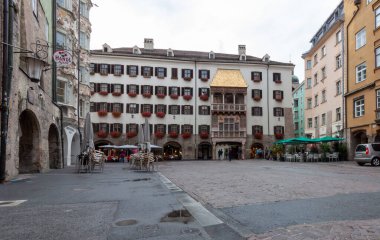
368	153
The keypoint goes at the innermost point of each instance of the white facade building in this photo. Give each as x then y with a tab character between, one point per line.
197	103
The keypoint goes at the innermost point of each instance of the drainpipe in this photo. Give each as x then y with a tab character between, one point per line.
268	98
54	80
78	69
196	108
5	90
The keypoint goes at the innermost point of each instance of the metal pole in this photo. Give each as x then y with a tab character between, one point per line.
78	70
5	93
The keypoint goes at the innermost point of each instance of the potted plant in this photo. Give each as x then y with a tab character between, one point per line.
160	95
203	97
160	114
277	152
187	97
131	134
257	98
102	134
204	135
174	96
159	134
102	113
103	93
116	94
147	95
116	114
277	81
258	135
146	114
186	135
279	135
132	94
115	134
173	134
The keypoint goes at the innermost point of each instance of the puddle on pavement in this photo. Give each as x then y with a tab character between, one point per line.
182	215
127	222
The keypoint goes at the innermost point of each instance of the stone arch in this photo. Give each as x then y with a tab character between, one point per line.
54	147
75	148
29	143
204	151
172	151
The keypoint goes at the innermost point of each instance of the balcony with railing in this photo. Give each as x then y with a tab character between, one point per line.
235	134
220	107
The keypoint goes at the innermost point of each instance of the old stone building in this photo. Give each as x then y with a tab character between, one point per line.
33	143
198	104
73	90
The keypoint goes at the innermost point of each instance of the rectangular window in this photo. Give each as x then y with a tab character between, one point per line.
361	72
116	107
161	72
316	122
104	69
377	99
187	129
324	96
65	4
338	87
256	94
338	61
173	128
187	110
204	74
309	103
338	37
377	17
81	108
104	127
296	114
277	77
174	90
315	79
278	112
104	87
377	53
146	89
323	119
361	38
147	71
296	126
308	81
132	108
187	91
187	73
35	7
323	51
174	109
146	108
61	40
174	73
83	40
84	10
316	100
278	130
132	89
160	128
257	111
278	95
204	110
161	90
359	107
257	129
61	91
92	87
117	70
256	76
338	115
132	128
295	102
315	59
203	91
103	107
117	88
310	123
308	64
132	71
161	108
323	73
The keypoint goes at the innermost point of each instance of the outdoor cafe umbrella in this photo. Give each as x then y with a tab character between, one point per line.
88	139
107	146
126	147
328	139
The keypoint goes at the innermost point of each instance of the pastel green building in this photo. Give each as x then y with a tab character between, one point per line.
299	110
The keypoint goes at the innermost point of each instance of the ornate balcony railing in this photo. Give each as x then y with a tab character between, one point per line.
236	134
229	107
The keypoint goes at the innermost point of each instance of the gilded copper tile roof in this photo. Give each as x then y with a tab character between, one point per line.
228	78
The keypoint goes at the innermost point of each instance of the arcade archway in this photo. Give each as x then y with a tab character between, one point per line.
205	151
29	143
172	151
54	157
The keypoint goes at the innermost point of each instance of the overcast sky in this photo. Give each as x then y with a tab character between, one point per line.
281	28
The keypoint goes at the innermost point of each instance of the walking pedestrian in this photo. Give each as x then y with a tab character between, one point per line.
230	155
220	152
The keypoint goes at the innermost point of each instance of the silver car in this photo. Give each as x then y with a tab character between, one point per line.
368	153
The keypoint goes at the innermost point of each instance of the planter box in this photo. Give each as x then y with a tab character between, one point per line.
160	95
160	114
116	94
146	114
203	97
174	96
115	134
116	114
187	97
258	135
103	93
147	95
102	113
279	136
132	94
102	134
204	135
173	135
186	135
131	134
159	134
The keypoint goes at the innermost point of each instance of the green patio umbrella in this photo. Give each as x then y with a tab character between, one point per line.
328	139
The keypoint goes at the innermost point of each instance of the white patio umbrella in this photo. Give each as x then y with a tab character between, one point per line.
88	139
147	134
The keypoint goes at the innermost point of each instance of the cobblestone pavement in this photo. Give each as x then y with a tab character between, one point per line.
235	184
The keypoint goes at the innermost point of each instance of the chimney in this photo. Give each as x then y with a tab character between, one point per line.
148	43
241	50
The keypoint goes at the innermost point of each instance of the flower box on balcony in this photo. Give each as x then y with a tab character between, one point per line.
160	95
103	93
102	134
131	134
115	134
187	97
277	81
259	135
204	97
186	135
204	79
204	135
116	94
159	134
146	114
102	113
187	78
173	134
132	94
147	95
174	96
116	114
279	135
160	114
257	98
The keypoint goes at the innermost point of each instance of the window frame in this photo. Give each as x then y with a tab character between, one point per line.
361	74
360	107
360	38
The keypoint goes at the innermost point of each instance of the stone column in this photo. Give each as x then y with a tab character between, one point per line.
214	157
243	151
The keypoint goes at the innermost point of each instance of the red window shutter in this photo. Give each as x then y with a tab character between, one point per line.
155	90
122	72
122	89
109	107
261	94
97	68
165	72
183	73
191	73
112	67
112	87
151	71
128	66
252	75
109	88
208	74
97	87
156	71
165	90
137	89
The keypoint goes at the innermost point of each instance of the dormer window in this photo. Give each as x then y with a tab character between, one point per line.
136	50
211	55
243	58
170	53
266	58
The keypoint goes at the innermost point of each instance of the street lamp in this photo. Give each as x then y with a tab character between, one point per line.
34	67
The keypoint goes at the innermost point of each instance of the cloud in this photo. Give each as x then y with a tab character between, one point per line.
282	29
